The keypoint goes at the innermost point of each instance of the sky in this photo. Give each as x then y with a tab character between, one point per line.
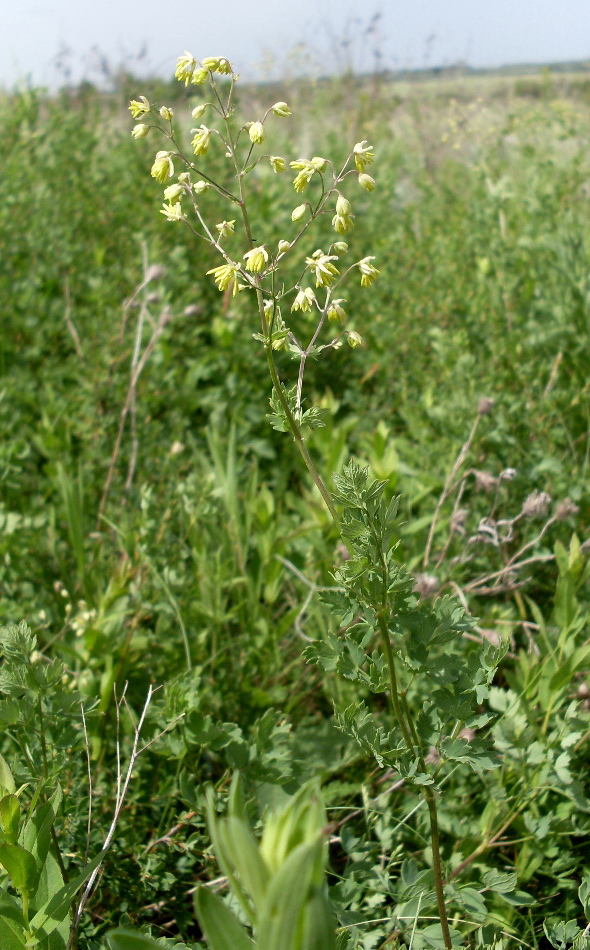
48	42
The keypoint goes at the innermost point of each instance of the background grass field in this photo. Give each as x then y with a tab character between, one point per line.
191	571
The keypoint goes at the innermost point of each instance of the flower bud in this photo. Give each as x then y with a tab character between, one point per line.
298	212
140	130
199	111
340	247
173	193
354	339
200	186
281	109
283	247
366	182
166	113
185	177
343	206
256	133
336	311
278	164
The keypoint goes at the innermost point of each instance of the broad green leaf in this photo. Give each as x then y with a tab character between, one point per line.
36	834
584	896
20	864
52	915
10	816
6	779
220	925
122	939
280	921
241	849
12	936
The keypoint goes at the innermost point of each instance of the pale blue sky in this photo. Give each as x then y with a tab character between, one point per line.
410	33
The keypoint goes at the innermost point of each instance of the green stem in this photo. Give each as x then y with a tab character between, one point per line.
394	693
293	424
437	867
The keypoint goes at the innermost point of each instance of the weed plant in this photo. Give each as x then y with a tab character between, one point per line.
156	529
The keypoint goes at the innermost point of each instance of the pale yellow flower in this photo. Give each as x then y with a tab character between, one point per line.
163	167
283	247
172	211
140	130
185	68
173	193
201	140
140	108
368	272
256	259
342	223
363	155
166	113
277	163
226	276
200	76
199	111
325	272
225	228
304	300
306	171
354	339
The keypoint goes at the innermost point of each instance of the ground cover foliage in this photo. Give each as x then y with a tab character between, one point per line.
156	531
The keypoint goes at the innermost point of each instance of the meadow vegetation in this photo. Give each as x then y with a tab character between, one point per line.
179	605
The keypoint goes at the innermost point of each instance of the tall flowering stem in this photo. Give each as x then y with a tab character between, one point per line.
313	292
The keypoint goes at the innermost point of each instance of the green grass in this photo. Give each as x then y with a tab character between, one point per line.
193	578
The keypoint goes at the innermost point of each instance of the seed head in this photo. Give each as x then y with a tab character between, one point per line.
566	509
536	505
426	585
484	481
485	405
